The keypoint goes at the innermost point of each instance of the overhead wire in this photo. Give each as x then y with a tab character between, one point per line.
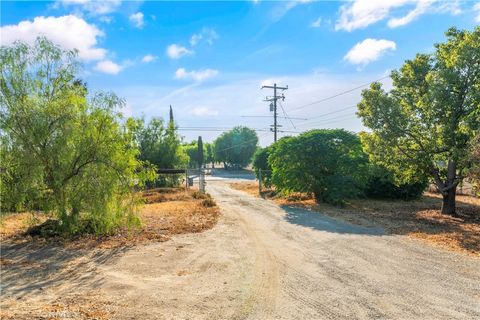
338	94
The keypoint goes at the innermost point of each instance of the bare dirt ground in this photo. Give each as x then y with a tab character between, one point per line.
261	261
419	219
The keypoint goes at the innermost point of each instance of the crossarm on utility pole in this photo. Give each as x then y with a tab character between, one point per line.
274	99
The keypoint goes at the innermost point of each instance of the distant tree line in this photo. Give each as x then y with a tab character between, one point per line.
69	152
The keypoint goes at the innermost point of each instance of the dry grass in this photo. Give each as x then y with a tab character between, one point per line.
185	214
73	307
167	211
36	262
420	219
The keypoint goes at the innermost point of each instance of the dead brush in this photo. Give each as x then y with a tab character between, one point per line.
199	195
208	203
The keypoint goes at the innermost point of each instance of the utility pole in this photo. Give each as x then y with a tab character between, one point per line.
274	99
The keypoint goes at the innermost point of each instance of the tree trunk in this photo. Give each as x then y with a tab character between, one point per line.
448	204
448	188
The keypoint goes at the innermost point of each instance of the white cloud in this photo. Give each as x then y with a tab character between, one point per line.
362	13
453	7
96	7
196	75
282	9
195	39
107	66
368	51
137	19
476	8
316	23
149	58
69	32
421	8
175	51
209	35
203	112
106	19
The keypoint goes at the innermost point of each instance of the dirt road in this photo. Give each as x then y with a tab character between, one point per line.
266	262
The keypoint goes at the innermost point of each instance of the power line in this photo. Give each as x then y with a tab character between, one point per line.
214	129
286	115
329	120
338	94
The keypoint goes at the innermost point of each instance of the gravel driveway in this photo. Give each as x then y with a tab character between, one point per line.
309	266
262	261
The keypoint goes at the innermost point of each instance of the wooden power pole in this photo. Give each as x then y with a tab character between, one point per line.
274	100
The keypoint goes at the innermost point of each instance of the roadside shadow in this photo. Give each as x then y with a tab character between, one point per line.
28	268
318	221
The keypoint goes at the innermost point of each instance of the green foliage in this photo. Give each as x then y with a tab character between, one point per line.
260	162
424	125
160	146
474	159
381	184
210	153
328	163
235	148
191	150
61	151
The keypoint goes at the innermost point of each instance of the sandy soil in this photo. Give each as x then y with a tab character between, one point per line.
261	261
419	219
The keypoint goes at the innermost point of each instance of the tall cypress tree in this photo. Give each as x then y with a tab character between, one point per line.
171	122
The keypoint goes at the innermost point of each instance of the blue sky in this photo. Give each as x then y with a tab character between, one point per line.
209	59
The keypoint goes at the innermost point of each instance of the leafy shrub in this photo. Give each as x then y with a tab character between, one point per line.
260	162
328	163
381	184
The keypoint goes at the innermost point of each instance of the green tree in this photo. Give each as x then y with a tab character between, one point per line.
474	161
235	148
260	162
381	184
73	151
160	145
423	126
210	154
328	163
191	150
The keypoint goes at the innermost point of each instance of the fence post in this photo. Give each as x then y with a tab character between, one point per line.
201	180
260	182
186	179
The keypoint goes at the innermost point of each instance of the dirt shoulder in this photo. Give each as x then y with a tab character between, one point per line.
419	219
35	269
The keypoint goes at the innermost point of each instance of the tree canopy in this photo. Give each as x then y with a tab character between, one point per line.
260	163
159	143
424	125
328	163
235	148
63	151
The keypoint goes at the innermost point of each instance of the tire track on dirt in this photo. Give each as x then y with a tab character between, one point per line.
261	299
